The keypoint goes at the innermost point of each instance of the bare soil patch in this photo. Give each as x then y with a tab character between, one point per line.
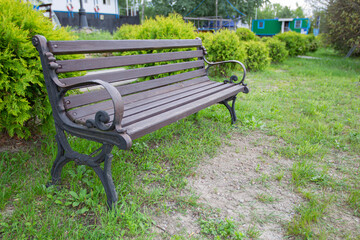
245	182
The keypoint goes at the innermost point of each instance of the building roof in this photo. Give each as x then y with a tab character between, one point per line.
285	19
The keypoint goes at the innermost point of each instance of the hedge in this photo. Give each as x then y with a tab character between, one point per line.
24	106
257	55
277	49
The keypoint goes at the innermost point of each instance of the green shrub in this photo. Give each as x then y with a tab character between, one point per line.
127	31
171	27
225	45
277	49
312	43
246	34
296	43
257	55
24	106
204	36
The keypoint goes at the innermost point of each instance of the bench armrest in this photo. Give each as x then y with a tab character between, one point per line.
102	117
210	64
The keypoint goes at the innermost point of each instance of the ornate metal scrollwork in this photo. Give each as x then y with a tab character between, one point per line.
232	78
101	155
100	121
102	118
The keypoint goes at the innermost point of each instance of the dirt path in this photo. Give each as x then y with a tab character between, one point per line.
245	182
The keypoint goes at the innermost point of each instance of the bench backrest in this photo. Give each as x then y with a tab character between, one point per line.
149	57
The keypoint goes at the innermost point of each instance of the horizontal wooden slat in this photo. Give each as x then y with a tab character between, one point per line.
148	110
145	112
95	46
132	107
122	75
119	61
151	124
100	95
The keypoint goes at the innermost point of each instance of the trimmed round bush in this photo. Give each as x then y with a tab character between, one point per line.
257	55
171	27
204	36
296	43
246	34
225	45
126	31
24	106
312	43
277	49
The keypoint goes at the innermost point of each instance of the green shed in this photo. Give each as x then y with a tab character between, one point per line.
270	27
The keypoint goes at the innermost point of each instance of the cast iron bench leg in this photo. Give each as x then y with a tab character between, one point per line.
66	154
231	108
107	181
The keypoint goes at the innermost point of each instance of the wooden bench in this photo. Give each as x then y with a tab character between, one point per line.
116	114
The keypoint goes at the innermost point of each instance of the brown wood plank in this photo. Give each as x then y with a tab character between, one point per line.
153	123
171	98
100	95
94	46
163	108
119	61
73	114
89	111
122	75
165	98
171	105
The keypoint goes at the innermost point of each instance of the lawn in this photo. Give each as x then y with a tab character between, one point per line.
310	106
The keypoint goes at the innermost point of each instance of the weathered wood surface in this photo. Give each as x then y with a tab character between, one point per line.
122	75
157	84
98	46
120	61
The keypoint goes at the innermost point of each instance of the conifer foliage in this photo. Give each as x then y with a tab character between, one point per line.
24	106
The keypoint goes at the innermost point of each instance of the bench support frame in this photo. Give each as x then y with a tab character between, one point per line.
231	108
101	155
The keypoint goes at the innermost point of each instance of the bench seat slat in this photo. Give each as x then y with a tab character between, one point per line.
120	61
122	75
148	125
136	99
95	46
152	109
100	95
132	107
141	115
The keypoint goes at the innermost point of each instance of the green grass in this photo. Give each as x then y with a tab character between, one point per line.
313	106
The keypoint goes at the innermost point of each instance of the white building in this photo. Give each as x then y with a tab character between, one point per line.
101	14
90	6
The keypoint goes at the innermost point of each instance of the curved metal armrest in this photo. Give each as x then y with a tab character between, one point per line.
102	117
229	61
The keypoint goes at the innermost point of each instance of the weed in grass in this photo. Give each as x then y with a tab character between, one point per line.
253	232
257	169
265	198
305	171
220	229
253	123
263	179
307	215
354	201
279	176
